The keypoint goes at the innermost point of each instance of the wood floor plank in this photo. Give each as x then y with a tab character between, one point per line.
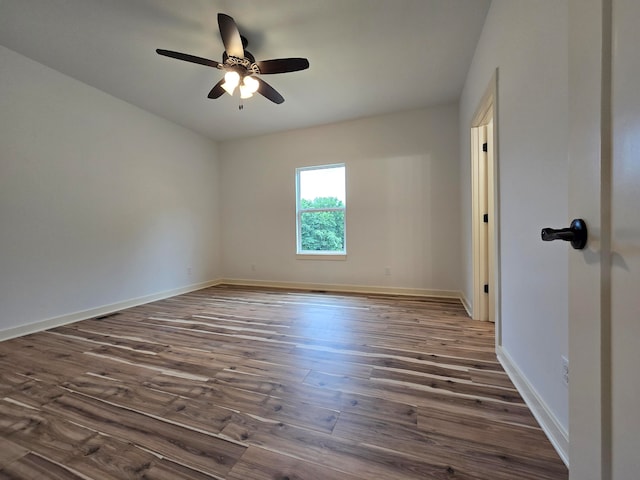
334	451
42	367
379	408
167	470
33	466
288	390
200	415
136	397
107	458
260	464
290	411
497	436
231	383
270	370
9	379
34	393
10	452
51	436
449	384
468	457
86	340
190	447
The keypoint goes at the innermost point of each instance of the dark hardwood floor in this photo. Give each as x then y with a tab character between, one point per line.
254	384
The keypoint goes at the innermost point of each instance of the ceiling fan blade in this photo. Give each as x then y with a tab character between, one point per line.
217	90
188	58
269	92
282	65
230	36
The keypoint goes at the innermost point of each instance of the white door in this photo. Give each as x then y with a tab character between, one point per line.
604	189
625	244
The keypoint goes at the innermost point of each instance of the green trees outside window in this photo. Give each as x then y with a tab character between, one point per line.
322	230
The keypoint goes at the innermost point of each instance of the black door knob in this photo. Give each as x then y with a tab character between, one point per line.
576	234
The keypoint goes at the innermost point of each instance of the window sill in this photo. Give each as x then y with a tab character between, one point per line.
321	256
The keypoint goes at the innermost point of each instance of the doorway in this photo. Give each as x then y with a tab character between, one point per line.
485	220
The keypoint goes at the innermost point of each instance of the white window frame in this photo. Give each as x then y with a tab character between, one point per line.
319	254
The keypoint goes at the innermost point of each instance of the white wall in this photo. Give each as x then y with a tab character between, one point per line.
402	202
100	202
527	42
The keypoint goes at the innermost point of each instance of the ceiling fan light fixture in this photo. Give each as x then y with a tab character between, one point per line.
245	92
231	81
251	84
248	87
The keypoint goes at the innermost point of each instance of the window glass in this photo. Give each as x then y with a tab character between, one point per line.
321	209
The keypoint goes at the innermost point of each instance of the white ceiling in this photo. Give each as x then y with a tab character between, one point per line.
367	57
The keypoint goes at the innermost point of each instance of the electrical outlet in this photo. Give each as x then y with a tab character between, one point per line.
387	271
565	370
253	267
189	271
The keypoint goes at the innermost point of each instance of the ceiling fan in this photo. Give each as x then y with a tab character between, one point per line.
240	66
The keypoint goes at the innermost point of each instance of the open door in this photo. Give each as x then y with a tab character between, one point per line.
604	189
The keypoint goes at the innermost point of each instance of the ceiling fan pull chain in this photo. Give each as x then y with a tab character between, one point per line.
241	105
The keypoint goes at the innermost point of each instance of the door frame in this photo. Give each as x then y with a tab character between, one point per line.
486	115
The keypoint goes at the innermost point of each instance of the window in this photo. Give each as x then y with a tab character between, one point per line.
320	210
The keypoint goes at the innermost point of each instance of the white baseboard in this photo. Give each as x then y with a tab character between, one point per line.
102	310
557	434
466	304
417	292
